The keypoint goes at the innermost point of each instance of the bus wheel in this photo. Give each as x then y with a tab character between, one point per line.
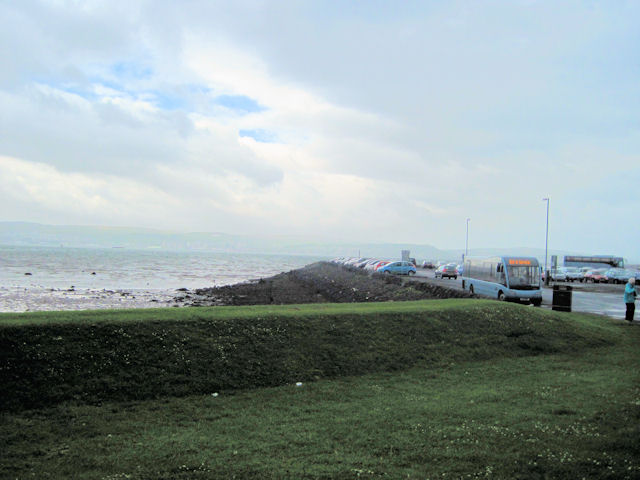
501	296
537	302
471	289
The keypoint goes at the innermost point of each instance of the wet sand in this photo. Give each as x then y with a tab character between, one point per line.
26	299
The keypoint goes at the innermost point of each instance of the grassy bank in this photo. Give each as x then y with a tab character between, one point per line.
94	357
548	416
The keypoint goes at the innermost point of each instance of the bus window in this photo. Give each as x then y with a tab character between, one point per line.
521	276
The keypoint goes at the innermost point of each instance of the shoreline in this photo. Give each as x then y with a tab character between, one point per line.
38	299
320	282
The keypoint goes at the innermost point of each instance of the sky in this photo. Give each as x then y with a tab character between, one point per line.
368	121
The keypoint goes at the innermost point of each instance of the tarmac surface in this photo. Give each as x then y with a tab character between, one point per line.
601	299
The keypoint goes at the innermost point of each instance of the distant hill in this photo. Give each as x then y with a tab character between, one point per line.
35	234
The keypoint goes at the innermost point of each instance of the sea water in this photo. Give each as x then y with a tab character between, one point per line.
119	268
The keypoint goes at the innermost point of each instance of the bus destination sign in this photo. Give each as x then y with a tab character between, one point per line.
513	261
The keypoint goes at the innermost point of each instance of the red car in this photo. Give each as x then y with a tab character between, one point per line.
381	264
595	276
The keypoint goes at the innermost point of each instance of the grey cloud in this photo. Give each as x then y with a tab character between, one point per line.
42	39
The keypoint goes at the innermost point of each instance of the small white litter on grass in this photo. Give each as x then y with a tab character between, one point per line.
298	384
214	394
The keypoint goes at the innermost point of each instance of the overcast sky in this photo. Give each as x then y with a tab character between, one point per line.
362	121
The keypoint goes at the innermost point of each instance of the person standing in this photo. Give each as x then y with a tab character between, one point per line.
630	295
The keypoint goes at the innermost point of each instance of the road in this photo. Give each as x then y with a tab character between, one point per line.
588	298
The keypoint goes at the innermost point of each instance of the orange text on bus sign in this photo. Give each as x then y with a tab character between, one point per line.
519	262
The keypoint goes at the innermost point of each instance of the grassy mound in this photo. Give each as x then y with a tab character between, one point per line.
92	357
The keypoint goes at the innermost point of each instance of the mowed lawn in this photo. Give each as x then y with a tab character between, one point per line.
551	415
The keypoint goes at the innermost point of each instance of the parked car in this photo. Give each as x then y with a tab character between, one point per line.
448	271
429	265
398	268
595	276
381	264
371	264
558	275
573	274
618	275
362	262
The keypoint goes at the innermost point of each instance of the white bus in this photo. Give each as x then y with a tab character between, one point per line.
505	278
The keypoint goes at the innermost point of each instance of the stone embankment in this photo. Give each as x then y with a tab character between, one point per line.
320	282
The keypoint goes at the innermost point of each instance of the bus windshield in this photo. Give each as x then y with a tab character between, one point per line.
521	276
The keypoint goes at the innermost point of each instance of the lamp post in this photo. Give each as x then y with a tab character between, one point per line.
466	243
546	244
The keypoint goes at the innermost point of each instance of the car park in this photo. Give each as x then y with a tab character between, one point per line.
398	268
448	271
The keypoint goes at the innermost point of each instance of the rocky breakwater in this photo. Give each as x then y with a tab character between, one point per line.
320	282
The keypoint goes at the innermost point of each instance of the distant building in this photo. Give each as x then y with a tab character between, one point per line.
595	261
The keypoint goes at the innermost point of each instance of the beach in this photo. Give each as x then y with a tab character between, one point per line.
319	282
33	299
57	278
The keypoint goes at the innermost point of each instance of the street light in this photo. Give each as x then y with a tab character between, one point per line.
466	243
546	244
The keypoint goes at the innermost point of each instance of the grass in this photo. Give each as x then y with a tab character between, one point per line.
557	416
462	389
93	357
224	313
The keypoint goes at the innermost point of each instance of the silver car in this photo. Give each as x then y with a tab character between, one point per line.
558	276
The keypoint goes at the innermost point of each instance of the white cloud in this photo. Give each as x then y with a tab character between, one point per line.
41	187
389	123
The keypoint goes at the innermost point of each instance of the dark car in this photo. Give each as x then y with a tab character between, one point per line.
447	271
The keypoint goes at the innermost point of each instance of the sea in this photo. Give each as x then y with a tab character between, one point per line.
52	278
